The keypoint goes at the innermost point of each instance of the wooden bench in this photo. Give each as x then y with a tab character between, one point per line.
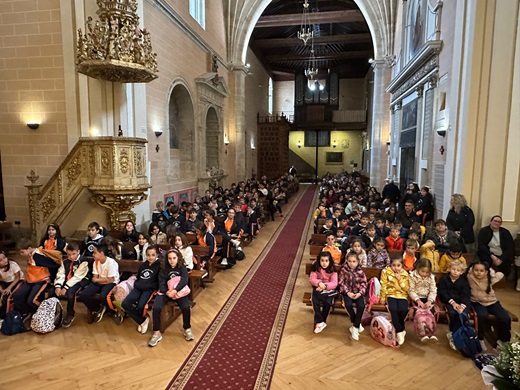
201	252
376	273
318	239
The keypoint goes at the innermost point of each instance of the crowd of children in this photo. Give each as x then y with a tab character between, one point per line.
88	271
364	230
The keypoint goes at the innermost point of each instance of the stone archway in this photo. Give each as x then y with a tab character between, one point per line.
381	19
212	139
181	125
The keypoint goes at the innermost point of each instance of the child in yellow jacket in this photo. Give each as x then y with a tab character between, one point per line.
394	292
454	253
428	251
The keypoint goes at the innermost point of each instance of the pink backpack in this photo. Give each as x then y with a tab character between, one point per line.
374	291
383	331
172	284
424	323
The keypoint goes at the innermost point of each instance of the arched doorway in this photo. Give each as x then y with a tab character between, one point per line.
212	137
181	125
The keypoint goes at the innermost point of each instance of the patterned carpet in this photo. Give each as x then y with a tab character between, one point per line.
238	351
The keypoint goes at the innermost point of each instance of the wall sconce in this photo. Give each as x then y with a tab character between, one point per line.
334	144
33	125
253	147
442	133
158	132
299	144
226	142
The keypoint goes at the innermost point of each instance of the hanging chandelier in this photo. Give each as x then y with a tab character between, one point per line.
115	48
311	72
305	32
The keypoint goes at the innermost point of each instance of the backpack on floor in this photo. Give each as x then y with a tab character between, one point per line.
424	322
466	339
383	331
13	323
48	316
374	291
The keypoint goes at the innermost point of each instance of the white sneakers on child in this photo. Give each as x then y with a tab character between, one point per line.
236	243
449	335
400	337
361	329
319	327
518	285
188	334
143	328
354	332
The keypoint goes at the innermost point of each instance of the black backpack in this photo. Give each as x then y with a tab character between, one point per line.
13	323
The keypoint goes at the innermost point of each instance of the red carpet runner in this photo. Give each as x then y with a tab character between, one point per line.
238	351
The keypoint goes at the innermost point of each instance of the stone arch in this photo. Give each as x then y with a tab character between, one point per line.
181	121
379	17
212	139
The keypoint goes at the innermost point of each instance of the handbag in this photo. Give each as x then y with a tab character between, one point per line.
172	284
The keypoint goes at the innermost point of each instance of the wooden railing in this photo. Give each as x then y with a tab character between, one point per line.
113	169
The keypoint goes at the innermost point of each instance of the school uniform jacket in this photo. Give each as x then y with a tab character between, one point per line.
72	273
148	276
141	254
166	274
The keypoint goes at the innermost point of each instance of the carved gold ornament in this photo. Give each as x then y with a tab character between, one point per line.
115	48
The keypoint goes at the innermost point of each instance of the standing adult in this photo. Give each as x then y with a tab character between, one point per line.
461	219
495	245
391	192
424	206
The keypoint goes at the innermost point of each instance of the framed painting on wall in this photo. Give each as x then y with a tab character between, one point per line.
334	158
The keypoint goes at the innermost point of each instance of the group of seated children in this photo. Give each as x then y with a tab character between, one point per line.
459	290
73	278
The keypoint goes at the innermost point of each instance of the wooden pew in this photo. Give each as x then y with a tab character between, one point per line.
318	239
211	266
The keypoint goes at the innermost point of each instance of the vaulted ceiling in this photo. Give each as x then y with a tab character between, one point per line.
342	40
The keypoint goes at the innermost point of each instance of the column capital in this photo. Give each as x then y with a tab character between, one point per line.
233	67
432	81
420	90
387	61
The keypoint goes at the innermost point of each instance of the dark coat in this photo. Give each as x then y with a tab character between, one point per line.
462	222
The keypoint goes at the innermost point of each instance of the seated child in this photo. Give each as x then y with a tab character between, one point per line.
140	248
331	247
454	293
42	266
252	225
53	239
357	247
415	235
394	293
369	235
423	290
481	279
394	242
381	229
324	280
353	286
399	226
409	254
105	275
454	253
73	274
94	237
10	275
146	283
172	279
130	233
190	222
428	251
181	243
156	236
327	228
205	239
378	256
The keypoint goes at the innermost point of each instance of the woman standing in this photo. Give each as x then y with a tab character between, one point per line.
460	220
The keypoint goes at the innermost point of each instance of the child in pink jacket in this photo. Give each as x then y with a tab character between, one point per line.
324	280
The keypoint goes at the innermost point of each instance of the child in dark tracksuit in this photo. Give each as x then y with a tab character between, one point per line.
145	285
172	280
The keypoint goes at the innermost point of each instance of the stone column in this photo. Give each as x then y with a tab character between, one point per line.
380	126
237	125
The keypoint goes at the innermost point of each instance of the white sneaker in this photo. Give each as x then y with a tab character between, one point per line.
224	261
144	325
355	333
518	285
236	243
424	339
361	329
483	345
400	337
319	327
449	335
434	338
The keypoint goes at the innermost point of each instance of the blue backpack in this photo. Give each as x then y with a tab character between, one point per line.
13	323
466	339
